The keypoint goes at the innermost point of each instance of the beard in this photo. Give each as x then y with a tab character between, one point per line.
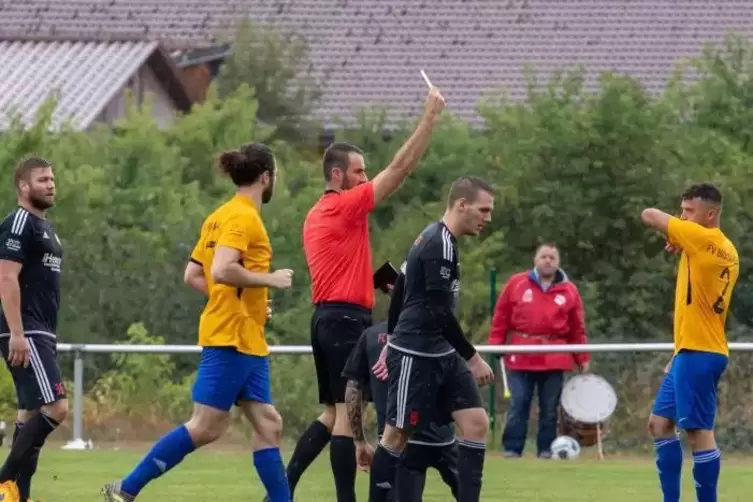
347	185
40	202
266	194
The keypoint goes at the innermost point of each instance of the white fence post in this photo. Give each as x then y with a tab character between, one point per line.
78	442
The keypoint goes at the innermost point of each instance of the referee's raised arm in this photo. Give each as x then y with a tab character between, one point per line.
338	255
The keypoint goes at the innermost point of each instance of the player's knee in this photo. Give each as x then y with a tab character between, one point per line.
393	438
24	416
342	425
267	426
58	410
473	424
207	426
327	418
701	439
659	427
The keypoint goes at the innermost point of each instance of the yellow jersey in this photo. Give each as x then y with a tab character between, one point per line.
234	316
706	276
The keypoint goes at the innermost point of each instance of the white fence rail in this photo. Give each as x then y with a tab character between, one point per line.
78	443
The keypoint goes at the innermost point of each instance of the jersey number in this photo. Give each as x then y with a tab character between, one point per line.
719	303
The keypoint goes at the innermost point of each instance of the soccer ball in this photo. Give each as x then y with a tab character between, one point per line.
565	448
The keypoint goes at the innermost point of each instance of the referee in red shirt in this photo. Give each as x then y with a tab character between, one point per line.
338	254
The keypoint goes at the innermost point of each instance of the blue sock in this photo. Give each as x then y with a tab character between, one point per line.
706	467
166	454
669	466
268	463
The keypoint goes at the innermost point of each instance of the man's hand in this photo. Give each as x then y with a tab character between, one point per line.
434	103
668	367
380	367
269	310
671	248
585	367
281	279
18	350
364	455
482	372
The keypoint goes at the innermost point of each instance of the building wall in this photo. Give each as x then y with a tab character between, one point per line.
142	85
197	79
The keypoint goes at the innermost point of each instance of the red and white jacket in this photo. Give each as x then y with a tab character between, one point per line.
526	314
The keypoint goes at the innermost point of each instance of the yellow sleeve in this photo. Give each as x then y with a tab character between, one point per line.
689	236
238	232
197	255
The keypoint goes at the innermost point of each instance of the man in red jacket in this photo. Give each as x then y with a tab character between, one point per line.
538	307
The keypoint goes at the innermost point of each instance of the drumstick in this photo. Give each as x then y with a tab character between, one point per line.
504	377
426	79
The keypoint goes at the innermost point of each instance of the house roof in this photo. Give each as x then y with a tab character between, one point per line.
370	51
83	75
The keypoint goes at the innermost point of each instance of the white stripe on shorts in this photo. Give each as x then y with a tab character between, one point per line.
406	363
41	375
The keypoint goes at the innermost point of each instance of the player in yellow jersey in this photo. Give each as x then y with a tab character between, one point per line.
706	276
230	264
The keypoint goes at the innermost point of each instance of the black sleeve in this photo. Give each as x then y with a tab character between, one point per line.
438	274
14	237
357	366
453	333
396	303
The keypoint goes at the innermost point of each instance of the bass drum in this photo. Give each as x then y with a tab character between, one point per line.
587	403
585	434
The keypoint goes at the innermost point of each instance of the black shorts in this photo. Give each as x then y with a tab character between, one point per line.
422	390
40	382
417	458
335	329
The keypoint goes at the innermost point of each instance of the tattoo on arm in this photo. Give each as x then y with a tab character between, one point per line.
354	405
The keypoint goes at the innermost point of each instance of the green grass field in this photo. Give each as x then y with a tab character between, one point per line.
221	475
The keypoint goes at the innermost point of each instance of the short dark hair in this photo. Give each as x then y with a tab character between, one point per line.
245	165
707	192
468	187
546	244
337	155
24	168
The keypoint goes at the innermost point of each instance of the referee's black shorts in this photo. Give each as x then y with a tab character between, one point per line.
41	382
335	329
417	458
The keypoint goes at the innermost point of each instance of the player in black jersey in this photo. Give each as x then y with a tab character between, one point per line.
432	446
31	257
432	368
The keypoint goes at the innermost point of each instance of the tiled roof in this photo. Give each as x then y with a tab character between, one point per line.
84	76
371	50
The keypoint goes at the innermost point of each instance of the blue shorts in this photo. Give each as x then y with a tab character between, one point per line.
687	395
227	376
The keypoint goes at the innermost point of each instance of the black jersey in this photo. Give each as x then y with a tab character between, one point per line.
32	242
432	281
363	357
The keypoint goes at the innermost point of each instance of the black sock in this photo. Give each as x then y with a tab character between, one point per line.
26	471
28	468
309	446
409	484
382	477
342	458
16	430
470	469
33	433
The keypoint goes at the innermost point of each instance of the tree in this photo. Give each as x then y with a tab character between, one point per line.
275	64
